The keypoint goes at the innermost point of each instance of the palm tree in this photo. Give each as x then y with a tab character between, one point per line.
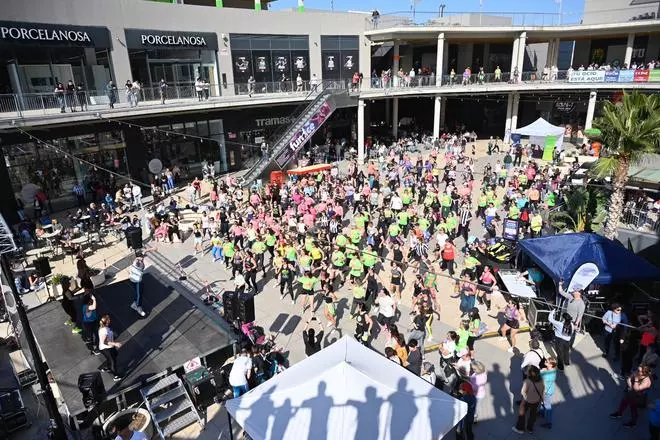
583	210
630	129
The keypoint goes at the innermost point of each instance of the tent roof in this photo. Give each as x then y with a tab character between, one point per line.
346	391
310	169
540	127
560	255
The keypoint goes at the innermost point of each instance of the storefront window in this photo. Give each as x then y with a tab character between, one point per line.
274	61
340	56
33	166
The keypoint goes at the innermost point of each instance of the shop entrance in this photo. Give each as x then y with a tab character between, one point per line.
179	72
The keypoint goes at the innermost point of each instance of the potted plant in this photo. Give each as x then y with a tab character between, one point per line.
97	276
140	421
56	283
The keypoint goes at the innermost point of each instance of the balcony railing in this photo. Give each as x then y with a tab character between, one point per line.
28	105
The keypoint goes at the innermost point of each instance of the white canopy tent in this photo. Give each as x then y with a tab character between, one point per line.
346	391
539	130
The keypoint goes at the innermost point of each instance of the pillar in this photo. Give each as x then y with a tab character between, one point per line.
590	109
514	112
437	110
315	58
521	54
440	58
549	54
555	57
514	55
365	61
629	50
395	117
485	62
395	64
360	131
509	108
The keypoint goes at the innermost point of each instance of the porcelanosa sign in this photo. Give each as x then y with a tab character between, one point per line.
140	38
44	33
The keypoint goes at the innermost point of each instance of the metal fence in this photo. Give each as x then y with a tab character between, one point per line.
642	220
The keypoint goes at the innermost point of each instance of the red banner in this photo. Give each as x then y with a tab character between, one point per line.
641	76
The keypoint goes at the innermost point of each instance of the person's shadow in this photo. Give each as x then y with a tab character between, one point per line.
320	407
282	415
261	411
498	389
406	410
368	413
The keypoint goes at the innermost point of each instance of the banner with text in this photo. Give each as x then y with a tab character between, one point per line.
614	76
305	133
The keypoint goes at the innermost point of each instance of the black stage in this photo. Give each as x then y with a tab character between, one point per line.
173	332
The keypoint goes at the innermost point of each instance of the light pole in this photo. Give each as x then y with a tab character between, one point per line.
441	10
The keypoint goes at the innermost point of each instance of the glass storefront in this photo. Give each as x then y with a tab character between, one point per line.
31	165
341	56
177	57
179	149
274	61
36	56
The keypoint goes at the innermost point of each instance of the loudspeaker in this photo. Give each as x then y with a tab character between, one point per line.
246	307
134	238
201	387
92	389
42	266
230	305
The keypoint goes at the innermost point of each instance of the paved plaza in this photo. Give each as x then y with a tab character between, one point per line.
586	392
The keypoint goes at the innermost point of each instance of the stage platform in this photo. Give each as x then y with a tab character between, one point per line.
172	332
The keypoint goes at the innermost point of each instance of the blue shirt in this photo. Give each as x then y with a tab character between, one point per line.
611	318
91	317
654	414
549	377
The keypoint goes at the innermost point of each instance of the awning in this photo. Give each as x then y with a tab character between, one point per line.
310	169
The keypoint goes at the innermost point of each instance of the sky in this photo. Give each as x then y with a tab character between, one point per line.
575	7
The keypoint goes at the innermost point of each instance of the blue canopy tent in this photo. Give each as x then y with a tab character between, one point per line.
560	255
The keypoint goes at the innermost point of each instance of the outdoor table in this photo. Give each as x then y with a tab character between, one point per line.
48	226
80	240
515	285
51	234
37	252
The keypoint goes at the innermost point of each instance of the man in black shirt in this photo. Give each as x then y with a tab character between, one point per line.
414	357
70	95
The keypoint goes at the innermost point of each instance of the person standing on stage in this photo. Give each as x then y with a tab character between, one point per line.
69	306
108	348
135	275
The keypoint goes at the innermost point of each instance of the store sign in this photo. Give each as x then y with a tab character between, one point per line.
141	38
44	33
626	76
587	76
641	76
565	106
612	76
268	122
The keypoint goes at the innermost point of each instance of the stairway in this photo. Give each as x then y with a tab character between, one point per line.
169	405
293	137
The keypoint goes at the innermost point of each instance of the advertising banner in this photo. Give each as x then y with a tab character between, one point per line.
305	133
612	76
641	76
654	75
587	76
583	276
549	147
511	228
626	76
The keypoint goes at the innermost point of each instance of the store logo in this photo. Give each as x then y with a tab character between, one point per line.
15	33
266	122
172	40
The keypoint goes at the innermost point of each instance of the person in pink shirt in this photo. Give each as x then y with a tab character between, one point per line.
255	199
297	198
308	220
237	232
531	173
339	211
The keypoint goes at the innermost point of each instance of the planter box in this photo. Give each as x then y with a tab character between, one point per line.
147	427
99	279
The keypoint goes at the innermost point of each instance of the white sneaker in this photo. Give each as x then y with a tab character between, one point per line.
141	312
510	350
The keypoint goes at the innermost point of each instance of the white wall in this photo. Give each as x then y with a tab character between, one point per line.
614	11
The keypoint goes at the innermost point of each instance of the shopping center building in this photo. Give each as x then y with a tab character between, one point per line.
233	79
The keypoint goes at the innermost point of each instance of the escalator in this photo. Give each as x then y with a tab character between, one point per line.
318	106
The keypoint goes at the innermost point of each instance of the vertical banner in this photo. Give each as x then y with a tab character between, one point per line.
257	5
549	148
218	4
301	5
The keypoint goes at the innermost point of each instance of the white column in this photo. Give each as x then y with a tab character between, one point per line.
629	50
555	58
360	131
514	112
514	55
509	108
590	109
437	110
522	43
440	58
395	64
550	53
395	117
365	61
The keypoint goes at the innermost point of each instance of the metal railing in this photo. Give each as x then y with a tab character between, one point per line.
642	220
27	105
470	18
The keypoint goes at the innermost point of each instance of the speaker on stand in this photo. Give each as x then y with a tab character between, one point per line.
230	306
92	389
246	307
134	238
43	270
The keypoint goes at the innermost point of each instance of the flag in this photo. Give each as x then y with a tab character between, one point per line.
218	4
257	5
301	5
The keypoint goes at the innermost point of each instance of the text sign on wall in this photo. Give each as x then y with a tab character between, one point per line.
141	38
15	32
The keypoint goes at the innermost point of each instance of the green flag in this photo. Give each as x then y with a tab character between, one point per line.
218	4
301	5
549	147
257	5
